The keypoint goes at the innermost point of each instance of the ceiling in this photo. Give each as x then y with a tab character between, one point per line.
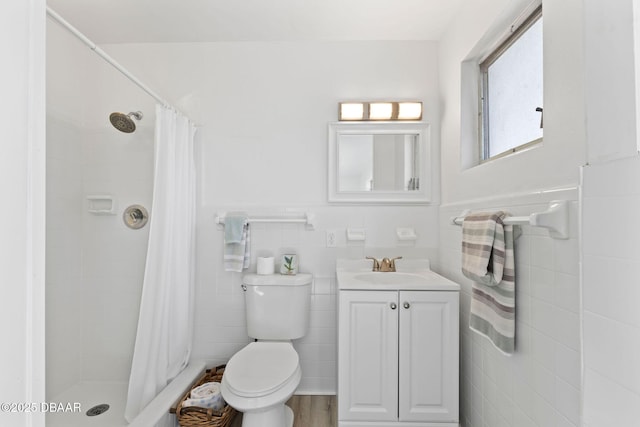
156	21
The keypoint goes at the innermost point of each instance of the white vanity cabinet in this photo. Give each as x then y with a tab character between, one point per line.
398	358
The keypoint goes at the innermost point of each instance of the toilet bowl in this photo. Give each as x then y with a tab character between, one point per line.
262	376
259	379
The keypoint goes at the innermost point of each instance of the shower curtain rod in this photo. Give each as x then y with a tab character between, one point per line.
102	54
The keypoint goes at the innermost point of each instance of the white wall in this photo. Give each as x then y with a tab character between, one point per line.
22	185
611	267
64	256
66	84
610	79
539	385
263	110
611	322
113	255
95	264
607	139
556	162
225	87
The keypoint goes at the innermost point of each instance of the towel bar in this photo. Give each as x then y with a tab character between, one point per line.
555	219
307	218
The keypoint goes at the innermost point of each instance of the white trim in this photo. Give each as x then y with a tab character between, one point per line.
636	54
581	288
420	196
36	211
518	199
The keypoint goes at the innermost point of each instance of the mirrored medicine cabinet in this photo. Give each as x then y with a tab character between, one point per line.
379	162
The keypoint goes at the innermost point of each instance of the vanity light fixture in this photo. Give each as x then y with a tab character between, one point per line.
375	111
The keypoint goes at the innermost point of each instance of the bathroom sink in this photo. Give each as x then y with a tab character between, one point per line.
390	278
412	275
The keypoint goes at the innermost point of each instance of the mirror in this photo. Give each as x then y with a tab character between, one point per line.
368	162
379	162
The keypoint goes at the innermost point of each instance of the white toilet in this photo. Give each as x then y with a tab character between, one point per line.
261	377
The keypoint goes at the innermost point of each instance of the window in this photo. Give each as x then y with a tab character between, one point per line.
511	91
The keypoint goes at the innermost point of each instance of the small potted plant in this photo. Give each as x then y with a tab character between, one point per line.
289	264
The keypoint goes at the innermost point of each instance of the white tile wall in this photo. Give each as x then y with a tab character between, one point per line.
94	264
611	293
220	324
539	385
64	253
113	255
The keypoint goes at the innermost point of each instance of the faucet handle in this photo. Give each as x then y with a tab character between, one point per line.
376	263
393	262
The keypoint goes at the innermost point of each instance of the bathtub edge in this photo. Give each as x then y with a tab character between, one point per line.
159	406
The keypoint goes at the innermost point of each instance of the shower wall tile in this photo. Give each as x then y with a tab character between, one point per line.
113	255
539	385
108	335
64	332
64	256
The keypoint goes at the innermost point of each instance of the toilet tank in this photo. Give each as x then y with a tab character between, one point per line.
277	306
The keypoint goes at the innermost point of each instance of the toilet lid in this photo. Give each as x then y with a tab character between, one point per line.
261	368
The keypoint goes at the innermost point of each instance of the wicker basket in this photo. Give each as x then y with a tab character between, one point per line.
193	416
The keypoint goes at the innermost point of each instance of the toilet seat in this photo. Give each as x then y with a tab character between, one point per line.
261	368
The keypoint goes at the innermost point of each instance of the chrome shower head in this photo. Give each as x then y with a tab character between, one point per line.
124	122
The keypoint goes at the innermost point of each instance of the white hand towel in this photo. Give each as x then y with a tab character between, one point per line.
234	223
237	250
206	395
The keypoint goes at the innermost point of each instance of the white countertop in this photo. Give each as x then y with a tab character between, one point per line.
411	274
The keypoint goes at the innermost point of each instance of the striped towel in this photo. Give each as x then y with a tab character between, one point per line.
237	243
488	260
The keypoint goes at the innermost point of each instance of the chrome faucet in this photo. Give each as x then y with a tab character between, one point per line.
385	264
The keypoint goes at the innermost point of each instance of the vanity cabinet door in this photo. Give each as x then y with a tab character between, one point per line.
428	361
368	356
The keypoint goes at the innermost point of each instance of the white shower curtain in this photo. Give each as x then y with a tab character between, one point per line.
165	324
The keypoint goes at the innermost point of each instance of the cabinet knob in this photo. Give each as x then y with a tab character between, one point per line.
393	306
406	305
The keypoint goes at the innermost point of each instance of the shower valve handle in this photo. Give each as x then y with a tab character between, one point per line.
136	215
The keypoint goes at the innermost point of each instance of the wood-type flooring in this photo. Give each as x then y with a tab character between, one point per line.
309	411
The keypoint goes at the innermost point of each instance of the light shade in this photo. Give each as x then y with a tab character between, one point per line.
383	110
351	111
380	111
409	110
